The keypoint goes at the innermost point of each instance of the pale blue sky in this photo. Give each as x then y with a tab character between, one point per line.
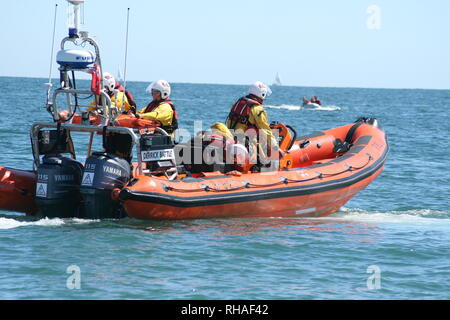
310	43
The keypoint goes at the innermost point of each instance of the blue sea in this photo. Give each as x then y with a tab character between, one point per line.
391	241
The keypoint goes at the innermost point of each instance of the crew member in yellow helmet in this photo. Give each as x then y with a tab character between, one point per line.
161	108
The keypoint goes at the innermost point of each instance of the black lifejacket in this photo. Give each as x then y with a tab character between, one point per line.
154	104
240	112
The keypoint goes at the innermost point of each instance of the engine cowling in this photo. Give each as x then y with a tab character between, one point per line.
103	172
58	187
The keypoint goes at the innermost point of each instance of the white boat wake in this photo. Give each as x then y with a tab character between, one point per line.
413	216
9	223
296	107
283	106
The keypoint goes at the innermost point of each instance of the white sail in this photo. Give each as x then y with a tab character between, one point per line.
119	75
277	81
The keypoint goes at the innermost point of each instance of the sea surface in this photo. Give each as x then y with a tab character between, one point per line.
391	241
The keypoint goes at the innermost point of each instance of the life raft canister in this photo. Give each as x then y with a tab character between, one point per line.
154	104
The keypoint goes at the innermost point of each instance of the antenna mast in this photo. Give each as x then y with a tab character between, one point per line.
49	83
126	54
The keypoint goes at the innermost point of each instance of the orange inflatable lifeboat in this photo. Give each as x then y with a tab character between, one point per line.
17	190
318	174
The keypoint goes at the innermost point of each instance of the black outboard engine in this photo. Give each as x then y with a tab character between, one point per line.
58	187
103	172
58	177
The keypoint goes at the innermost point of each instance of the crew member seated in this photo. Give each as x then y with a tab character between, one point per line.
312	100
161	108
128	94
316	100
305	101
118	98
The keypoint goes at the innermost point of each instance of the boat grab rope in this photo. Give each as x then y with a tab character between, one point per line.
248	185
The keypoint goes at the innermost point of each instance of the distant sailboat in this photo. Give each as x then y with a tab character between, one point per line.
119	75
277	81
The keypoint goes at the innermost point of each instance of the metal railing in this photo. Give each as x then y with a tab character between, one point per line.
103	101
134	133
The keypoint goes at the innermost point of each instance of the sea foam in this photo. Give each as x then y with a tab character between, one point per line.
297	107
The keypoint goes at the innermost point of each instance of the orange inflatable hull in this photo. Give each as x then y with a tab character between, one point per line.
321	178
17	190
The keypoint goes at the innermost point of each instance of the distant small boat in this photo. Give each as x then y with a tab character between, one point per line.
277	81
311	106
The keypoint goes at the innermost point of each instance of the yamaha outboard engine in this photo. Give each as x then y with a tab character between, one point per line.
104	172
59	177
58	187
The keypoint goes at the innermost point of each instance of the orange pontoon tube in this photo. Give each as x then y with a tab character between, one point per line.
17	190
324	171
